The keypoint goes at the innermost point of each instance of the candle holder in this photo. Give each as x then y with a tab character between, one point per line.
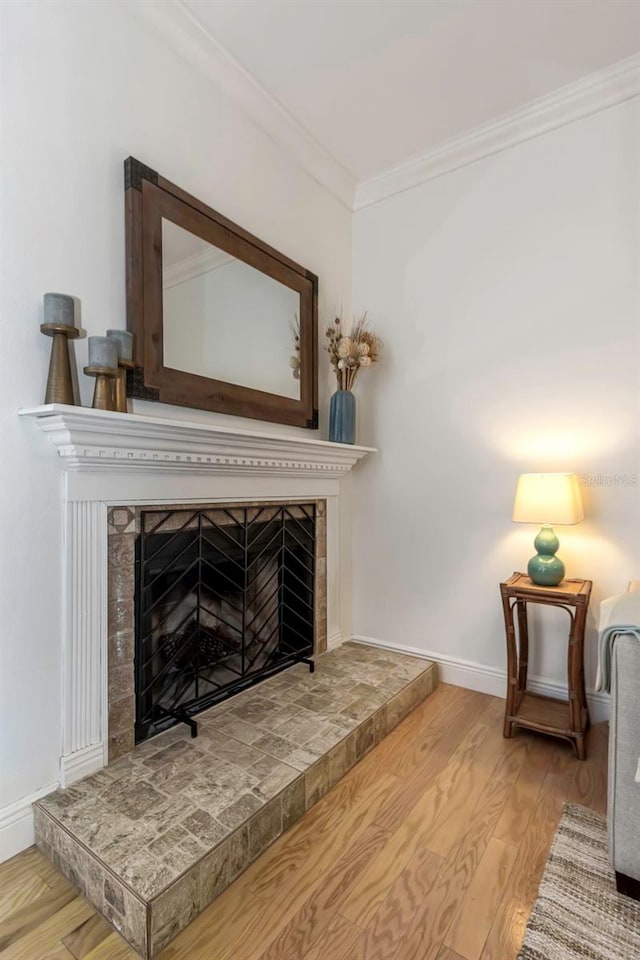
120	386
59	382
103	392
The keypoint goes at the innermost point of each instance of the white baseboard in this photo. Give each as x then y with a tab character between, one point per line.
81	764
16	819
16	823
491	680
334	641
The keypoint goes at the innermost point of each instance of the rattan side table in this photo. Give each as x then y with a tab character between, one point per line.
568	719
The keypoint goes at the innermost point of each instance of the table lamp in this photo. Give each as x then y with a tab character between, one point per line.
547	498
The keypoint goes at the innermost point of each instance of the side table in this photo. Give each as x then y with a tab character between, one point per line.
560	718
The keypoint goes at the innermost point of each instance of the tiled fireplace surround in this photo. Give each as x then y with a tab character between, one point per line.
123	525
113	466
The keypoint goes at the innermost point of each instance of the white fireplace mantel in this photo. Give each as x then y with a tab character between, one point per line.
112	458
96	440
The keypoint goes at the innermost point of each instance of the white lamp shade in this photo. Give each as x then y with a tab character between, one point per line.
548	498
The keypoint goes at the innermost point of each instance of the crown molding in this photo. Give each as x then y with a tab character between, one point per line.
99	441
197	46
193	42
593	93
194	266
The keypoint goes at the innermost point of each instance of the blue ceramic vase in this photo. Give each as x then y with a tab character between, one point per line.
342	417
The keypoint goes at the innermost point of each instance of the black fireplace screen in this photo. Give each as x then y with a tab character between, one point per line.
224	597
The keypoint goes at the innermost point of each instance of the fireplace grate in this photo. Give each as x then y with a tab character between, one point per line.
224	597
206	643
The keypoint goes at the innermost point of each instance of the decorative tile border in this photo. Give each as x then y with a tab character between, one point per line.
121	554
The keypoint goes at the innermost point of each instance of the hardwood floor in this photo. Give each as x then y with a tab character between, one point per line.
431	848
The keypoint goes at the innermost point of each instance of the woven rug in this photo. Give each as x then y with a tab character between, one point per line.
578	914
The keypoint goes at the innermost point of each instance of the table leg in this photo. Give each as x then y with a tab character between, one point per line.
581	620
523	643
578	709
512	666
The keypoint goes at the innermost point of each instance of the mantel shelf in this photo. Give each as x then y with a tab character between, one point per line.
91	440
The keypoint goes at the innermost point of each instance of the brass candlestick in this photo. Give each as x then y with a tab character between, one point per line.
120	386
59	382
103	392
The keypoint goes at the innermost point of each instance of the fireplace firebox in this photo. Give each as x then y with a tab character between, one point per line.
224	597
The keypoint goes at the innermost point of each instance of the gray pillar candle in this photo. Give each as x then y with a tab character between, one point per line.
124	340
59	308
103	352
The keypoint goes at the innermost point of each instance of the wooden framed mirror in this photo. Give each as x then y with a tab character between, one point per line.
221	320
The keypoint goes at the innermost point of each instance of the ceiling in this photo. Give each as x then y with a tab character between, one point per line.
377	82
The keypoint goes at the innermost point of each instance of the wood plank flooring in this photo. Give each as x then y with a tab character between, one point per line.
431	848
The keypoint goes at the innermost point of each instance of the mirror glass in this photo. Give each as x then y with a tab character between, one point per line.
225	320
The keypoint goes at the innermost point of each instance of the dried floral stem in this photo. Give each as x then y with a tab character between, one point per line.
348	353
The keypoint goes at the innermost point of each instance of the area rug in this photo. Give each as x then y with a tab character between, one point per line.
578	914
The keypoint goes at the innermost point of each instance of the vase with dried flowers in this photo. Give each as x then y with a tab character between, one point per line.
348	354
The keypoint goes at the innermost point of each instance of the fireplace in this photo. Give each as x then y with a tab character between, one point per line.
115	465
224	597
205	600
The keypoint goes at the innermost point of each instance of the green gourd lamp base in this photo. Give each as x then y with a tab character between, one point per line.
545	568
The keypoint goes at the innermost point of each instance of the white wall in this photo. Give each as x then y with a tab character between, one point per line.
84	86
507	294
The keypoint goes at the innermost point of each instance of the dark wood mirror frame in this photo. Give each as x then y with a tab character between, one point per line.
149	198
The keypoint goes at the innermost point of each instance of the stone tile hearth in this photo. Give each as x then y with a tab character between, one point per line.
153	838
